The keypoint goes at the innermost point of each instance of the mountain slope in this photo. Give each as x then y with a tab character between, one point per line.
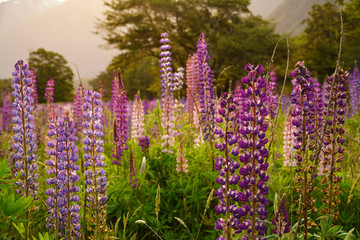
263	7
291	13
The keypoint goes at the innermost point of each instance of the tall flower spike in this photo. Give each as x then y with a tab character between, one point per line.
95	175
49	96
229	178
24	129
6	110
167	100
144	143
182	162
78	108
207	92
252	143
132	170
333	141
192	82
289	142
62	201
137	118
304	122
115	93
281	221
121	116
354	87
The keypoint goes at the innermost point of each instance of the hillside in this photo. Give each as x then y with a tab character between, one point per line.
263	7
289	15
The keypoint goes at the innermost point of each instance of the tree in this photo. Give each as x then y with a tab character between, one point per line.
234	36
47	64
352	32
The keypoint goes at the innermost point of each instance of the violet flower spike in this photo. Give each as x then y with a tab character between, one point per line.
34	87
252	143
62	201
24	132
137	118
281	221
95	175
6	111
78	108
207	92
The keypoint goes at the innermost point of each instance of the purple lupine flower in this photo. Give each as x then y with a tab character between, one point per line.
182	162
132	170
115	92
192	82
137	118
304	121
334	137
95	175
49	90
227	166
78	108
6	111
34	87
289	142
63	208
144	143
121	122
281	221
272	96
169	83
207	92
24	129
251	142
354	87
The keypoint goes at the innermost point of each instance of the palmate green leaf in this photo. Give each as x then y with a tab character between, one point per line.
12	207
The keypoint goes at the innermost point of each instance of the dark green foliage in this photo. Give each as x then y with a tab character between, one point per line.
48	64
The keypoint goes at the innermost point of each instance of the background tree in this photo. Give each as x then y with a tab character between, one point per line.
234	36
47	65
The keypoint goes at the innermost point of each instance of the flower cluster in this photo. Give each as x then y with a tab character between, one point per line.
281	221
303	113
137	118
49	90
192	82
289	141
62	204
228	178
78	108
206	91
95	175
121	121
333	140
24	129
115	92
252	141
6	109
144	143
354	87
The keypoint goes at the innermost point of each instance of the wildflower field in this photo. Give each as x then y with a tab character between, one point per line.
248	163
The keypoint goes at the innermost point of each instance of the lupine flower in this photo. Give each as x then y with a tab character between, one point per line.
62	204
354	87
229	178
192	82
115	92
95	175
78	108
304	121
281	221
6	110
289	142
169	83
182	162
199	136
49	90
144	143
207	92
272	96
137	118
34	87
252	143
333	137
132	170
24	129
121	121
